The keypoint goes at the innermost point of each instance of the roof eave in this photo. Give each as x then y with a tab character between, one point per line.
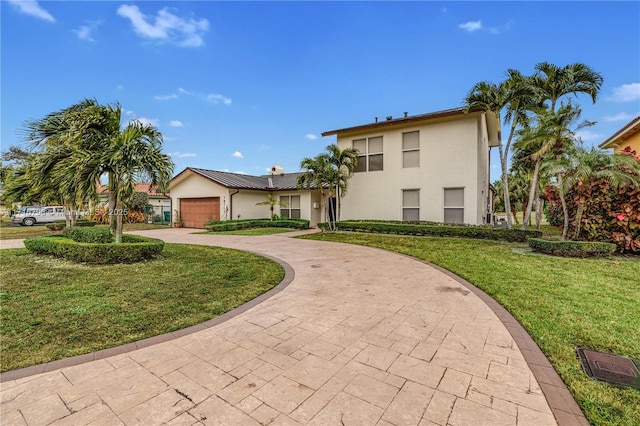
403	120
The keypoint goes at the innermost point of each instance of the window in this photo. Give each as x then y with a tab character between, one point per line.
454	205
370	158
411	149
410	204
292	209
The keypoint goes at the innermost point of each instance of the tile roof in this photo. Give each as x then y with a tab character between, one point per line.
286	181
140	187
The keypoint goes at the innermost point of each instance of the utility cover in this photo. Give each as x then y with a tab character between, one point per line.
610	368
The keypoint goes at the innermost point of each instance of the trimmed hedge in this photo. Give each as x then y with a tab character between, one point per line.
132	249
59	225
89	235
400	228
572	248
235	225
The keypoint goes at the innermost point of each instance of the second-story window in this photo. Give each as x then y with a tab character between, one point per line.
411	149
370	156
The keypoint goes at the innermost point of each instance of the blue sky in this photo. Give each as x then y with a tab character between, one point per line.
240	86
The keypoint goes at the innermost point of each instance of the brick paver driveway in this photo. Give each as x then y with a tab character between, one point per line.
360	337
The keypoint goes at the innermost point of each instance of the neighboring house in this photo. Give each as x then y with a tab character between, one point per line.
432	167
161	202
629	135
200	196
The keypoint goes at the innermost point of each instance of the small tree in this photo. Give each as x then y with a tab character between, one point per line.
272	202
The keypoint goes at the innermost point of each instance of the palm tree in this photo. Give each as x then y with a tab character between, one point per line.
550	134
550	83
344	162
515	96
331	171
589	167
81	143
272	202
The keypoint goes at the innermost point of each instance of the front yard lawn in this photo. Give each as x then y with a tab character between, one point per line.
53	309
9	232
563	303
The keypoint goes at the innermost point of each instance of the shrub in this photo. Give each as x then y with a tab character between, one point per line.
133	249
59	225
439	230
572	248
235	225
89	235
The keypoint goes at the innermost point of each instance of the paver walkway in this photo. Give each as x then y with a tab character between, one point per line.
361	336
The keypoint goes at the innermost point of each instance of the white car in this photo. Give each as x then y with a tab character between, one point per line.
31	215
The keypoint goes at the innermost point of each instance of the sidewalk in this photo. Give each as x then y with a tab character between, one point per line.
361	336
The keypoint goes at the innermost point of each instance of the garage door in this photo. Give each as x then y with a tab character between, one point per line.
195	212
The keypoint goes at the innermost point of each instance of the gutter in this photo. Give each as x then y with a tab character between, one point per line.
231	203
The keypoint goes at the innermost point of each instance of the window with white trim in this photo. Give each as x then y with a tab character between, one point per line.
370	157
291	209
410	204
411	149
454	205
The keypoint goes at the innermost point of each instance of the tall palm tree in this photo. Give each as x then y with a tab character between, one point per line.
589	167
515	96
329	171
550	136
550	84
81	143
344	163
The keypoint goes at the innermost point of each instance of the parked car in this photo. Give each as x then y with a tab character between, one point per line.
31	215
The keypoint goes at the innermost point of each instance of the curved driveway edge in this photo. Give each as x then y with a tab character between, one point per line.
361	336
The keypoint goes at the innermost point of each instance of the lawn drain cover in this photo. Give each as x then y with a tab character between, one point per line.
610	368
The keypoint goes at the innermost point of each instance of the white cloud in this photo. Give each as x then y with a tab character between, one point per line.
165	97
179	154
181	90
471	26
587	135
626	93
240	172
176	123
128	112
32	8
84	32
166	26
623	116
147	121
264	147
311	136
120	87
237	154
216	99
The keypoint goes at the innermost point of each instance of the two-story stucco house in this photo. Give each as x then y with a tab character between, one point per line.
432	167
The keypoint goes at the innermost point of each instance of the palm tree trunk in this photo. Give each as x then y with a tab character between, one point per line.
576	236
565	210
532	193
119	216
539	209
505	188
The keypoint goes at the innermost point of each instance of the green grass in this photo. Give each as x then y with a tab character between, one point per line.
563	303
53	309
8	232
252	231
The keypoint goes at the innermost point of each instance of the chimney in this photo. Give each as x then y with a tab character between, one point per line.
389	117
405	114
376	119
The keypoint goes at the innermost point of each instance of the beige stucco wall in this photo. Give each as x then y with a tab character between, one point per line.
633	141
307	209
452	155
244	204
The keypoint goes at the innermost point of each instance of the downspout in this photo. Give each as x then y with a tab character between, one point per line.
231	204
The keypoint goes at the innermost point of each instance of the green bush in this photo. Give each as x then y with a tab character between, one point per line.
572	248
133	249
59	225
235	225
438	230
89	235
